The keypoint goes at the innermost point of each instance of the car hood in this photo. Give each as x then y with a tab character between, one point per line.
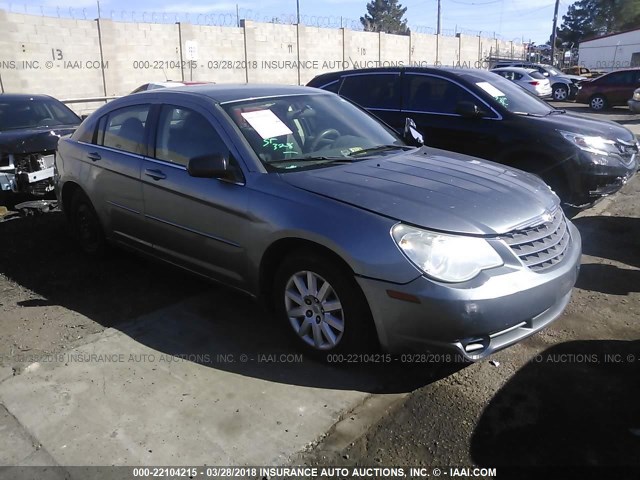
573	77
584	125
32	140
436	190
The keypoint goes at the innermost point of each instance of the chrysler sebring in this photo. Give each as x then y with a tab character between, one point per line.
357	239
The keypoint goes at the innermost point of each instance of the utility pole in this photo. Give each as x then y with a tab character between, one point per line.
298	10
553	34
438	30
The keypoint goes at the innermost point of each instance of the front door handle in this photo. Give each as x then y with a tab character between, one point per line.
155	174
94	156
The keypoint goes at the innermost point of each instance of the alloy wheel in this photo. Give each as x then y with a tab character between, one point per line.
314	310
560	93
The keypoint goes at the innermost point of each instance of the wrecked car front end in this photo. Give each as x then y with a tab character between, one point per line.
30	127
27	160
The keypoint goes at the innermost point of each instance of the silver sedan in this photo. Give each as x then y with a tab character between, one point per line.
355	238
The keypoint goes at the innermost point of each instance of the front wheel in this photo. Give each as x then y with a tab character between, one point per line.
322	306
560	93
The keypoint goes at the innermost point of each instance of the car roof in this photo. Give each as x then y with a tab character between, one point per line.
25	96
446	71
514	69
222	93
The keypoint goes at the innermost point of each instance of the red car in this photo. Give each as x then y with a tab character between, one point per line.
609	90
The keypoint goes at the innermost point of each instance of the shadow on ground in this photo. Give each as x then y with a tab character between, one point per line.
178	314
575	404
612	238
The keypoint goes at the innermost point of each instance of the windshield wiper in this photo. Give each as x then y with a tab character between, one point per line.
528	114
557	111
312	158
380	148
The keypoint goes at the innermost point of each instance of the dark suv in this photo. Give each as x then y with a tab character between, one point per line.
563	86
482	114
612	89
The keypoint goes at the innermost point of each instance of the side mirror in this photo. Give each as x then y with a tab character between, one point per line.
210	166
411	133
469	110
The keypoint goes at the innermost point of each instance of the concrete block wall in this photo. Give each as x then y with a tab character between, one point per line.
62	57
322	49
56	58
424	49
138	53
361	49
273	50
220	54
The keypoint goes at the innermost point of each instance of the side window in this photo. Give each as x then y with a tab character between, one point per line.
125	129
184	134
617	78
424	93
333	86
373	91
517	76
85	132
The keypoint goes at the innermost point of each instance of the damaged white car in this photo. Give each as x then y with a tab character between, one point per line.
30	126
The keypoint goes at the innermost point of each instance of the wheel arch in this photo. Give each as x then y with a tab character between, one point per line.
276	253
67	193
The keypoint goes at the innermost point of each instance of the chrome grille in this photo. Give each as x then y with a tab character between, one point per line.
543	246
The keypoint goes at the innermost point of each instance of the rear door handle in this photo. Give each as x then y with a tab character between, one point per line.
94	156
155	174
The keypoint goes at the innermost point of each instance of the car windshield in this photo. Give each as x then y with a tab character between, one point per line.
553	70
34	112
302	131
510	96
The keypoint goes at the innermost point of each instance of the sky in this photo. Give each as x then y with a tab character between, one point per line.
524	20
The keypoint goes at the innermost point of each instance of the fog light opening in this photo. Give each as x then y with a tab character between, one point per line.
476	345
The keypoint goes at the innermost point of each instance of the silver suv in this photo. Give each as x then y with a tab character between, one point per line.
563	86
355	239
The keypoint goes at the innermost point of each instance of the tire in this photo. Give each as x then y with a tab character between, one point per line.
330	317
597	103
86	226
560	92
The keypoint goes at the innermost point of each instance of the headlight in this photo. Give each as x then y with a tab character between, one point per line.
636	95
597	145
450	258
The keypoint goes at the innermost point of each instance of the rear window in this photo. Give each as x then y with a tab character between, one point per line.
537	75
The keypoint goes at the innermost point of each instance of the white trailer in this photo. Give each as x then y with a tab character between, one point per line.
611	52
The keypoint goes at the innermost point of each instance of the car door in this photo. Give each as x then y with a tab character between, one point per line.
112	178
618	87
431	100
198	223
379	93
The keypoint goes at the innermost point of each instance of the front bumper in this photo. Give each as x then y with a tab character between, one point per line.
634	106
598	179
472	320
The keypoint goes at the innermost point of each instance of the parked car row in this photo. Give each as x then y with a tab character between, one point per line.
374	218
563	86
